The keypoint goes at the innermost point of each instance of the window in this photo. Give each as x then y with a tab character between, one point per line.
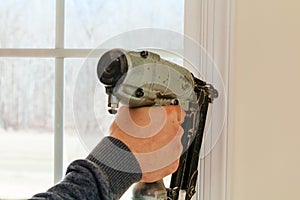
44	45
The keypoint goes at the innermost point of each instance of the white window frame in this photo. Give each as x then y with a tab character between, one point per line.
210	23
197	14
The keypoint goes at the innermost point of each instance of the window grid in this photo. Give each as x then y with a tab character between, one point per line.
59	93
59	53
44	53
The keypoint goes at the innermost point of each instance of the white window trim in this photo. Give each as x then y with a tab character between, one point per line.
203	24
214	182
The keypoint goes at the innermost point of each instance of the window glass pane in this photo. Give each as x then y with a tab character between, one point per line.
90	23
73	146
27	23
26	126
80	78
76	143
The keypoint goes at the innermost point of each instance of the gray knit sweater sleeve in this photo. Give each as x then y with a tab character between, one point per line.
109	170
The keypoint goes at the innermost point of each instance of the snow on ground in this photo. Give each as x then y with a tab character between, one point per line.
26	163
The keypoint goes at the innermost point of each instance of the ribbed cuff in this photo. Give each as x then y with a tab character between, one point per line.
118	163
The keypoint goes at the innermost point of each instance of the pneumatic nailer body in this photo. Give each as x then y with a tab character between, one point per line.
142	78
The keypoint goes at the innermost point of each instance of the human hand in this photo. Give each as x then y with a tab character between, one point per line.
153	134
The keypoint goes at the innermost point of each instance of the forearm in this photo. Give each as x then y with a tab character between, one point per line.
107	173
83	180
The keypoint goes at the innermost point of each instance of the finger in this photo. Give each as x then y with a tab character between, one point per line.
182	116
141	122
178	111
154	160
161	173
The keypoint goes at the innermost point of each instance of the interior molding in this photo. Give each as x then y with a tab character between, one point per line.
209	22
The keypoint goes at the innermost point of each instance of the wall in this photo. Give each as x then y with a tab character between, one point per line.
265	100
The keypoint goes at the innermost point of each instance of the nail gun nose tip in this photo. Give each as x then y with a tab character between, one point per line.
112	111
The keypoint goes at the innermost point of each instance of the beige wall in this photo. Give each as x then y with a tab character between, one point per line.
266	101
